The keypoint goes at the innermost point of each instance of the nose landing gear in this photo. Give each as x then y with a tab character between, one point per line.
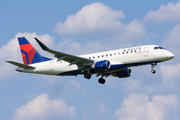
153	71
152	67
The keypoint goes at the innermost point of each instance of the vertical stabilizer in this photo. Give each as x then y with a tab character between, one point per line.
28	52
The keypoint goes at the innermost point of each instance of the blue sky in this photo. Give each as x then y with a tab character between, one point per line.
79	27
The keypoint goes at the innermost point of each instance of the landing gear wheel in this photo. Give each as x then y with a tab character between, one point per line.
152	66
87	76
101	80
153	71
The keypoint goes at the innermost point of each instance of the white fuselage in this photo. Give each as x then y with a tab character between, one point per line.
119	59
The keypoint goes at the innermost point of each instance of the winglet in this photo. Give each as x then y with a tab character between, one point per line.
44	47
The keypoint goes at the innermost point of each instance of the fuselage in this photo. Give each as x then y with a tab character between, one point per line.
119	59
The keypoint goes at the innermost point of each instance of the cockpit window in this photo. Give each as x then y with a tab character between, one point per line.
155	48
161	48
158	48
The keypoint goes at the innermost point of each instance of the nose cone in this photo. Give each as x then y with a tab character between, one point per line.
170	55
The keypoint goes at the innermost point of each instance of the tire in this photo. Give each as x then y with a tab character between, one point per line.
87	76
101	80
153	71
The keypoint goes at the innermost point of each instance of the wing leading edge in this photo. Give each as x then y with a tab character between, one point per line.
79	61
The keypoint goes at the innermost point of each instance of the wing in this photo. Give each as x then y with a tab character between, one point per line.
79	61
20	65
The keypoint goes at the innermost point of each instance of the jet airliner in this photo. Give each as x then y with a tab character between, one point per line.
114	63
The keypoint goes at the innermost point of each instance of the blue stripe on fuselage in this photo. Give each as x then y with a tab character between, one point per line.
73	72
116	67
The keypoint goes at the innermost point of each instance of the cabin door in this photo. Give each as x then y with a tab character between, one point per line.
51	66
146	51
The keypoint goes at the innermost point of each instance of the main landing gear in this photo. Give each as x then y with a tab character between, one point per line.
152	67
88	76
101	80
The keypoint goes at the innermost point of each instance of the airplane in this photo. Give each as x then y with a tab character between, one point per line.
114	63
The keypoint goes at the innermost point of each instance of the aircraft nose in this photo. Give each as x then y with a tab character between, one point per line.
170	55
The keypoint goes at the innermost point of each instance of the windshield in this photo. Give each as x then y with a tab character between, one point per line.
155	48
161	48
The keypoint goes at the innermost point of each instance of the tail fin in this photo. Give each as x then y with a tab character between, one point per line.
28	52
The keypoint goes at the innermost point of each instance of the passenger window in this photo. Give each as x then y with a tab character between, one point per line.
110	54
98	56
119	53
89	57
122	52
114	53
102	55
93	57
107	55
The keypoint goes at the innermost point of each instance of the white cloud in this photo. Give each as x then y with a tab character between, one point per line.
76	47
138	107
42	107
92	18
99	19
172	38
127	35
169	13
143	81
11	51
172	42
135	29
170	75
166	80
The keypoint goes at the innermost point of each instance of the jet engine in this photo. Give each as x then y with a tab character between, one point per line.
123	73
105	64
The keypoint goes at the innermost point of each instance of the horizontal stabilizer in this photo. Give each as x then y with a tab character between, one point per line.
20	65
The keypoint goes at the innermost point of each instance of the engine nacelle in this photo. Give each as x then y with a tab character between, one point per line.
123	73
105	64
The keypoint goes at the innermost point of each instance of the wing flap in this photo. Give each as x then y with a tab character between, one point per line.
79	61
20	65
